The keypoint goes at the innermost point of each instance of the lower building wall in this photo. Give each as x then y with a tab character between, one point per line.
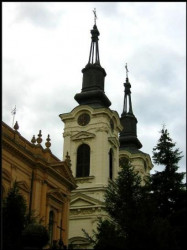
77	238
46	197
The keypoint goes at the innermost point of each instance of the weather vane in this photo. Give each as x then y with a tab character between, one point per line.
13	113
126	70
95	16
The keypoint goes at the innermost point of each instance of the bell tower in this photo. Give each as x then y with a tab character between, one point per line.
129	142
92	93
91	139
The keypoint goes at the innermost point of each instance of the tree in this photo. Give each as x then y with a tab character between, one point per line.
135	223
35	235
20	229
127	204
150	216
14	210
167	187
108	236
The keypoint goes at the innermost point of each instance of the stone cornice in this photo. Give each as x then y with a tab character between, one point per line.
90	189
94	112
84	197
145	157
87	179
86	211
82	135
61	178
35	156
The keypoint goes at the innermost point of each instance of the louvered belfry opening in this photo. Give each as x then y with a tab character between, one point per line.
83	161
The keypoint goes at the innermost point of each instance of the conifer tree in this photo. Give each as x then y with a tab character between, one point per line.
128	205
146	217
167	185
135	222
168	188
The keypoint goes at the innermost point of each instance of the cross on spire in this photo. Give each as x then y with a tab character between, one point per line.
126	70
13	112
95	16
61	241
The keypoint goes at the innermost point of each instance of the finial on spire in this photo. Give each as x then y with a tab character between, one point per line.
39	139
126	70
95	16
16	126
48	144
13	113
94	49
68	159
33	140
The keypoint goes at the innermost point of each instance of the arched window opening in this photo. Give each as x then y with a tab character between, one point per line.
51	223
145	166
123	161
83	161
111	164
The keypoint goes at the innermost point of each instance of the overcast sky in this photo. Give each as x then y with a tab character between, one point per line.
46	45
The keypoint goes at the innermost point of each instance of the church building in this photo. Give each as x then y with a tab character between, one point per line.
44	181
96	138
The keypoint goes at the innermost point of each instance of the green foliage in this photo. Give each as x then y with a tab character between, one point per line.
168	189
128	205
124	195
167	186
14	210
108	237
17	223
35	235
164	152
146	217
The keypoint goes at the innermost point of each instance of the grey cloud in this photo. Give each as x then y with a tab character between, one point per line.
161	100
17	83
109	9
39	14
164	62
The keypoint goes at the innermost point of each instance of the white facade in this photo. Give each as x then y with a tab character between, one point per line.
101	135
140	161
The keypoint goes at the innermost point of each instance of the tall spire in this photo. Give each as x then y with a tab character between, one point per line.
127	107
93	76
128	136
94	48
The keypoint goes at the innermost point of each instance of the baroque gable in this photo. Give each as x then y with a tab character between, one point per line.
82	201
56	194
82	135
64	171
